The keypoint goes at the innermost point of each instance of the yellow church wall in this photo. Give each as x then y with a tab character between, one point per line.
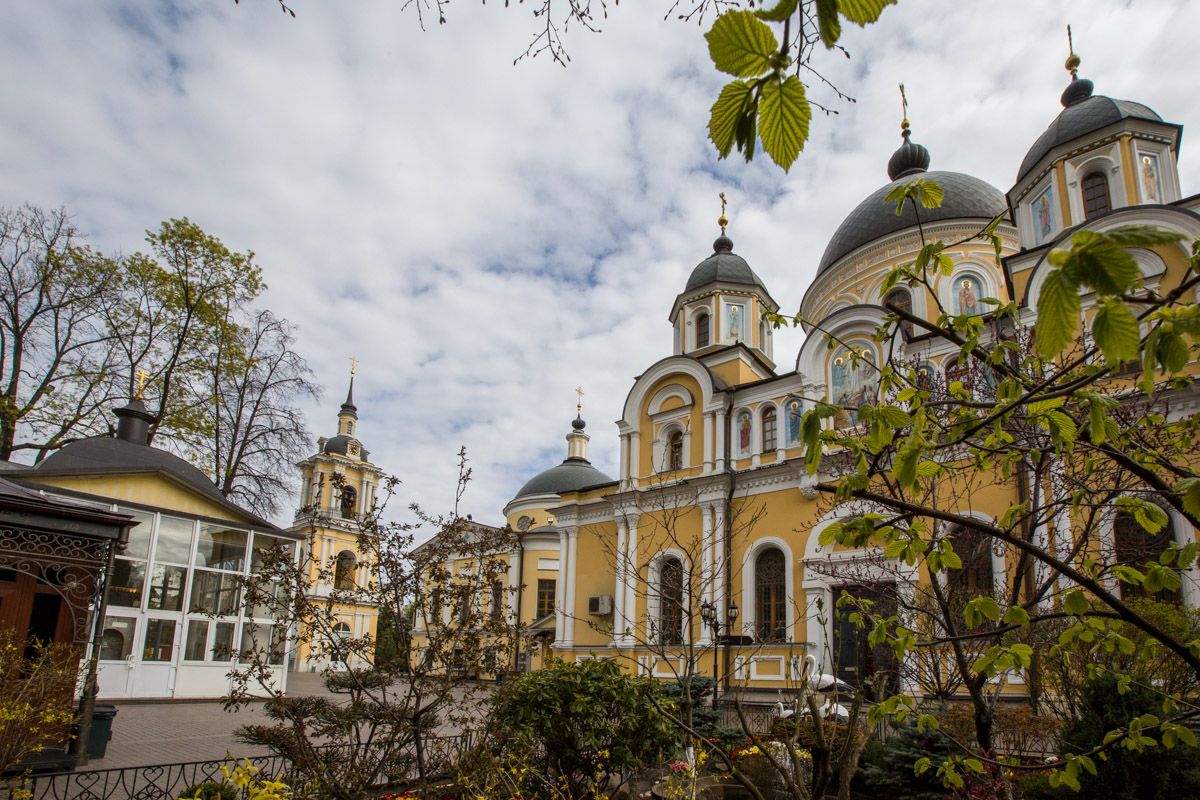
1129	174
649	431
735	372
148	490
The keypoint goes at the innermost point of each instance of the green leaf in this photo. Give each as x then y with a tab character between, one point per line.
1076	603
1016	616
1141	236
929	193
1116	331
780	12
741	45
1173	352
1190	489
727	113
862	12
829	25
1058	314
783	119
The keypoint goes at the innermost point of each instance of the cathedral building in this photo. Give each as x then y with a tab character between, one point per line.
712	507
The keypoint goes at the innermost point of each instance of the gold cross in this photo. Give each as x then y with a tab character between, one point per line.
142	375
904	108
353	364
579	405
1073	60
723	220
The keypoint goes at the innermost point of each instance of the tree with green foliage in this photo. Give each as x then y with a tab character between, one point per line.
586	724
1054	419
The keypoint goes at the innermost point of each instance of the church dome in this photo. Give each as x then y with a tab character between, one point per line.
965	197
723	266
569	476
1082	114
340	445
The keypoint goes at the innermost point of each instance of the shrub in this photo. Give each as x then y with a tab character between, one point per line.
886	770
209	790
1156	773
577	723
37	700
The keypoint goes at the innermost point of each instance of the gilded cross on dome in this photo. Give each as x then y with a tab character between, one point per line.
579	404
353	364
904	109
723	220
142	375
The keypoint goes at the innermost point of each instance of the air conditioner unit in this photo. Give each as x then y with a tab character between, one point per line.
523	662
599	605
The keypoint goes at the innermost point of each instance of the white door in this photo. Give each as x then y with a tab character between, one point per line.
117	656
154	673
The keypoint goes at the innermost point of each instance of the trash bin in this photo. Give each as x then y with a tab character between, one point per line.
102	717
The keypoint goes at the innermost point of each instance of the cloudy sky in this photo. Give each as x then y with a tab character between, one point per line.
485	237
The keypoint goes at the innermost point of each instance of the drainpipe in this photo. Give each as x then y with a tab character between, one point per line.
520	593
78	749
728	532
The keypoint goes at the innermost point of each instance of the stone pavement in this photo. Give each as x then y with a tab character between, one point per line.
147	733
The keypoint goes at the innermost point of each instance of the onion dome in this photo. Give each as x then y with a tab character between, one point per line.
965	197
1082	114
573	474
723	266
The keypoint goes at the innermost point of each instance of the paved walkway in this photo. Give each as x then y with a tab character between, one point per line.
174	732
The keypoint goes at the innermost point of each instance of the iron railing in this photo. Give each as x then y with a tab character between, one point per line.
168	781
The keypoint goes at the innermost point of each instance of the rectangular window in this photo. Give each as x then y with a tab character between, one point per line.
197	640
264	544
160	640
221	548
213	593
166	588
128	579
222	649
116	643
266	641
497	601
139	535
174	542
545	597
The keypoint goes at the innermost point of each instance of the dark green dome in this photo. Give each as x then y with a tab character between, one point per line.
569	476
723	266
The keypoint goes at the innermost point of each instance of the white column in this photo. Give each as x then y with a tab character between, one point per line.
560	594
573	541
706	571
619	623
719	558
708	441
632	576
624	460
722	425
634	456
514	568
326	547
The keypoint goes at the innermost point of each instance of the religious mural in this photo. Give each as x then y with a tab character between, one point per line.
1151	183
744	427
852	383
926	376
734	320
1043	214
793	410
967	291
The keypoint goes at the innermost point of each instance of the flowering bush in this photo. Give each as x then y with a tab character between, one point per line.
37	694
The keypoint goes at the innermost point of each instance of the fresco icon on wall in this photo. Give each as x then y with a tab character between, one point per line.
734	314
1151	183
743	427
853	382
793	410
1043	214
967	291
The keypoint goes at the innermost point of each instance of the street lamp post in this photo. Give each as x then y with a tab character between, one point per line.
708	613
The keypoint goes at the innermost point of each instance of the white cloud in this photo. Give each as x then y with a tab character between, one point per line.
486	237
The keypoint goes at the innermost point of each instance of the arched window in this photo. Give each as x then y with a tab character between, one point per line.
770	594
768	430
1138	548
349	427
343	571
703	328
349	501
976	578
675	451
670	612
901	299
1095	195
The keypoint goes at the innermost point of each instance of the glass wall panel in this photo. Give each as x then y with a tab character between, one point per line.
166	588
263	543
139	535
222	649
160	640
213	593
197	639
174	540
221	548
116	642
128	579
266	639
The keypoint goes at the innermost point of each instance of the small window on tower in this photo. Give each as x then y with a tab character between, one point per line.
675	451
702	330
1095	195
349	428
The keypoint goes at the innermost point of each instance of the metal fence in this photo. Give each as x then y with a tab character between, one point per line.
168	781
